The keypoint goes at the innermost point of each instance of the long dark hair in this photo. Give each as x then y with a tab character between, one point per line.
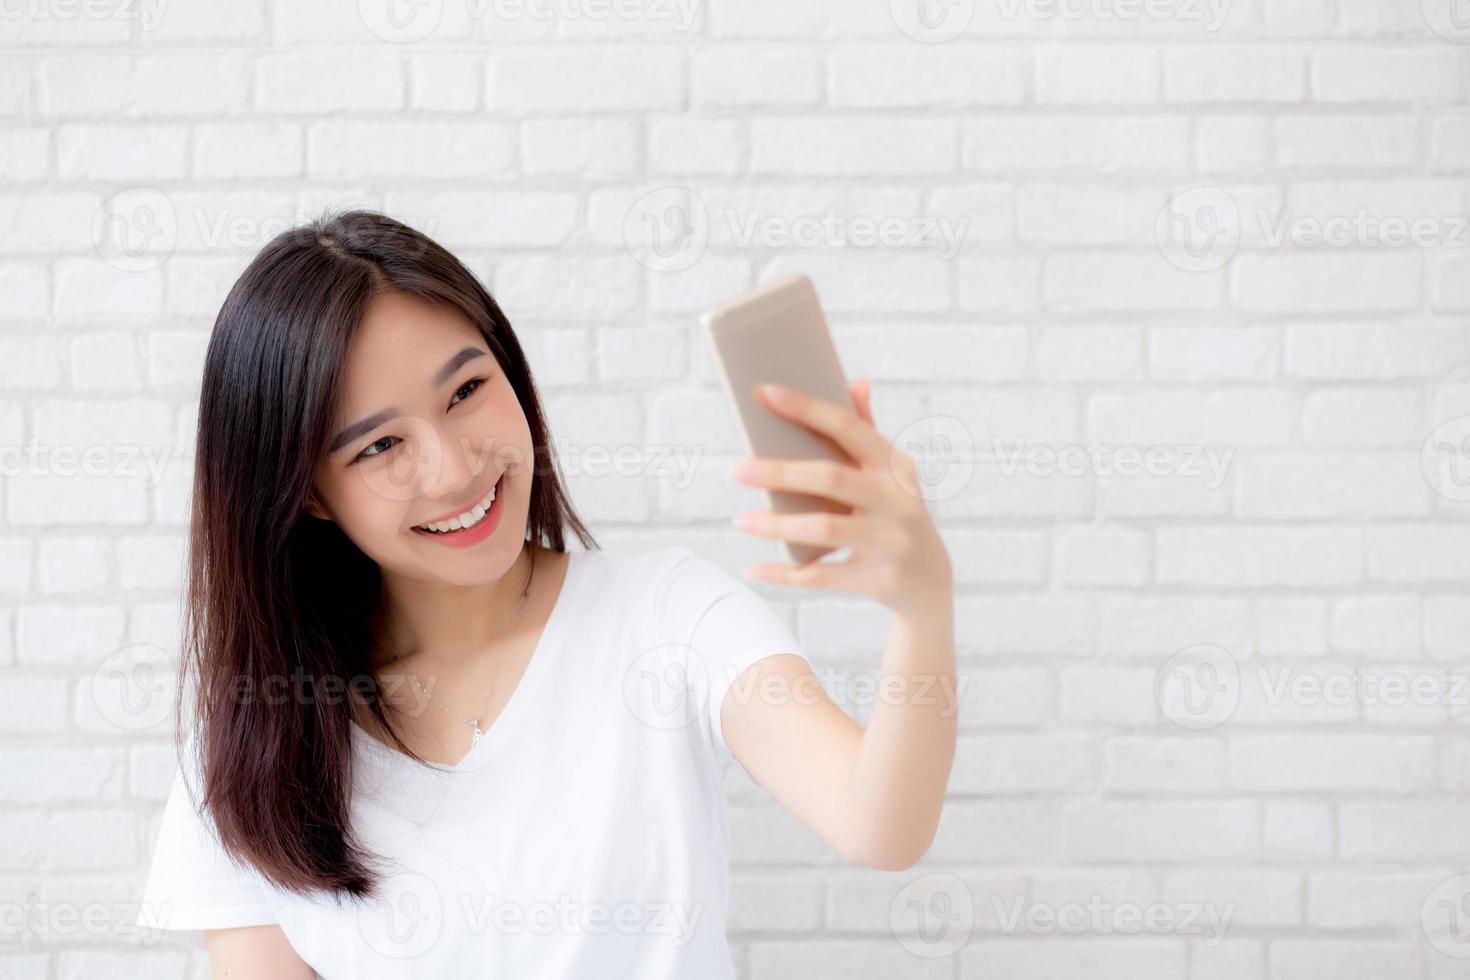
277	633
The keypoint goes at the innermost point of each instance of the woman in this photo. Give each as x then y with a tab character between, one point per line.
428	740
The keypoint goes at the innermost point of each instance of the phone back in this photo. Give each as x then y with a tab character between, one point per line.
778	333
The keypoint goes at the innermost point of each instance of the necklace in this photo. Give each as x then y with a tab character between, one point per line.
474	723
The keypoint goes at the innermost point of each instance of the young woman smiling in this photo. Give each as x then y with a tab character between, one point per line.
427	739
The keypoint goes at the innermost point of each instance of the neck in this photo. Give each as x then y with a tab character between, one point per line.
449	623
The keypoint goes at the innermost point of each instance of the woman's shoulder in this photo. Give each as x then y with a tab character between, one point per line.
637	563
646	574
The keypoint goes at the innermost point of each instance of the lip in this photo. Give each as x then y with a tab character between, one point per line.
469	538
465	508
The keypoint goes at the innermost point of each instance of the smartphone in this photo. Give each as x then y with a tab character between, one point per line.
778	333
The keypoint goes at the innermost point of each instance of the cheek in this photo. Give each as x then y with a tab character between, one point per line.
504	421
365	512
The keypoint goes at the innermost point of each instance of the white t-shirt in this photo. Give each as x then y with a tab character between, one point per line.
585	835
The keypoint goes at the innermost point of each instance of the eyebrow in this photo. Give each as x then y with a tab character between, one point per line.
364	426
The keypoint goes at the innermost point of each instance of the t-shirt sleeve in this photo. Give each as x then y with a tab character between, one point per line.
193	885
727	627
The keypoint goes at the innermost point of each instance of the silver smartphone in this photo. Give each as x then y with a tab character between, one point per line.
778	333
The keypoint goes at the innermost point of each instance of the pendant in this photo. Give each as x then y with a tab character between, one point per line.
477	736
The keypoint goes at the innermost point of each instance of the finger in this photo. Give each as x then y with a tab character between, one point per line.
839	423
817	477
815	574
859	392
812	527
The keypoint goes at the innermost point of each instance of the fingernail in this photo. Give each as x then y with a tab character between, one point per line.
743	470
774	391
743	520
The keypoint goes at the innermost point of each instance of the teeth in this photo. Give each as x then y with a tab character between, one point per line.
468	519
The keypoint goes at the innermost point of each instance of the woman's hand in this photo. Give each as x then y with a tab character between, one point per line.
897	555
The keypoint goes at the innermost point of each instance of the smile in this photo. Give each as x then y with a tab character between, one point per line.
468	520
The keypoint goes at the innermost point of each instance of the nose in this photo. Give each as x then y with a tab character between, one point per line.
456	468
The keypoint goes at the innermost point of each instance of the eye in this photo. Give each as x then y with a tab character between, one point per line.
476	382
368	455
474	385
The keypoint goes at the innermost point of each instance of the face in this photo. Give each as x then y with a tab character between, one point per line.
427	425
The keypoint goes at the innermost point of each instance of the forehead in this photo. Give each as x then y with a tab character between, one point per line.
401	341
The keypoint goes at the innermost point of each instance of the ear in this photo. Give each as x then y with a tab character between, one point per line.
316	508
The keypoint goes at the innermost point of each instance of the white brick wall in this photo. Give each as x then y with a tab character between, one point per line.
1212	547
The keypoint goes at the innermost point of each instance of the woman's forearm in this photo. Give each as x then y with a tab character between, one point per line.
898	783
